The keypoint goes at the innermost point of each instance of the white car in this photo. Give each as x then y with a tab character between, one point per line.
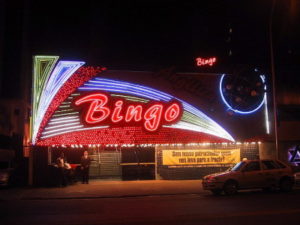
250	174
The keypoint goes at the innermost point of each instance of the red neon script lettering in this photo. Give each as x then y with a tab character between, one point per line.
202	61
134	112
150	115
96	107
116	117
172	112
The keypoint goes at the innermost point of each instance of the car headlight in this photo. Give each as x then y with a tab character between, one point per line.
211	179
3	177
297	176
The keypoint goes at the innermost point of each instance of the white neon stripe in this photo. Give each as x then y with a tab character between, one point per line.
122	89
118	91
192	127
65	114
64	110
130	86
74	130
191	109
62	129
62	125
65	118
64	106
129	97
93	128
125	85
125	88
267	114
64	121
136	86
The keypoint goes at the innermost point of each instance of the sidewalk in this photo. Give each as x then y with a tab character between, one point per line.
105	189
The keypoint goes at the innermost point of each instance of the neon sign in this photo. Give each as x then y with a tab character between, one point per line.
123	113
294	155
100	110
67	125
254	94
206	61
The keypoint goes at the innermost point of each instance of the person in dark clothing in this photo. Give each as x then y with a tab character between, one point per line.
85	166
60	162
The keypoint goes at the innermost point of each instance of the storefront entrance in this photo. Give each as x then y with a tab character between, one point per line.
123	163
138	163
113	163
106	164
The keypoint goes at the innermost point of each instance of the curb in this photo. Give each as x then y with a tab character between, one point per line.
108	196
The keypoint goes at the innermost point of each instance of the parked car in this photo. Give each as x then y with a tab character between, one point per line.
5	174
250	174
297	179
6	168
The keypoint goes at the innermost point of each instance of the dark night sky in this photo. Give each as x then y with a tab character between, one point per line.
147	35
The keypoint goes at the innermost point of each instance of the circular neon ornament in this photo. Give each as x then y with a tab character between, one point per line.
242	94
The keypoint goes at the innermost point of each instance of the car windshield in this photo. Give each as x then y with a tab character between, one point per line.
238	166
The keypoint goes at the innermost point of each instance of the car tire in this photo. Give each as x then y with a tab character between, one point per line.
216	192
230	188
286	185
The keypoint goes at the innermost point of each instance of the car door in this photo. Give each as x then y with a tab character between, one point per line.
251	176
271	172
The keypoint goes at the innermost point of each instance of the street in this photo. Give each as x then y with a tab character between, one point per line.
251	207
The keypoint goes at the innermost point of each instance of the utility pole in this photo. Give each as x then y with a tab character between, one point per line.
273	77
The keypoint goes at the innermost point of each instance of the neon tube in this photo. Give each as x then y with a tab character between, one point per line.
236	110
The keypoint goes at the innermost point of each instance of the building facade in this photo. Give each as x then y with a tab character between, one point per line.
144	125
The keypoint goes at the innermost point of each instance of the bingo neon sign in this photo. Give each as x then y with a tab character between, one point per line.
73	104
101	110
206	61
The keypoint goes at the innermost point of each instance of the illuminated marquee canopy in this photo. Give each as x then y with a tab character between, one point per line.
76	105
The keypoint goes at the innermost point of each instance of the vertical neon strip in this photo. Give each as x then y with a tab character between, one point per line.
267	114
42	67
61	73
267	123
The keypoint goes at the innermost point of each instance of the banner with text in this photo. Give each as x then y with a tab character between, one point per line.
200	157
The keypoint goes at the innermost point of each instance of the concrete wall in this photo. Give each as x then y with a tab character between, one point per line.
267	150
